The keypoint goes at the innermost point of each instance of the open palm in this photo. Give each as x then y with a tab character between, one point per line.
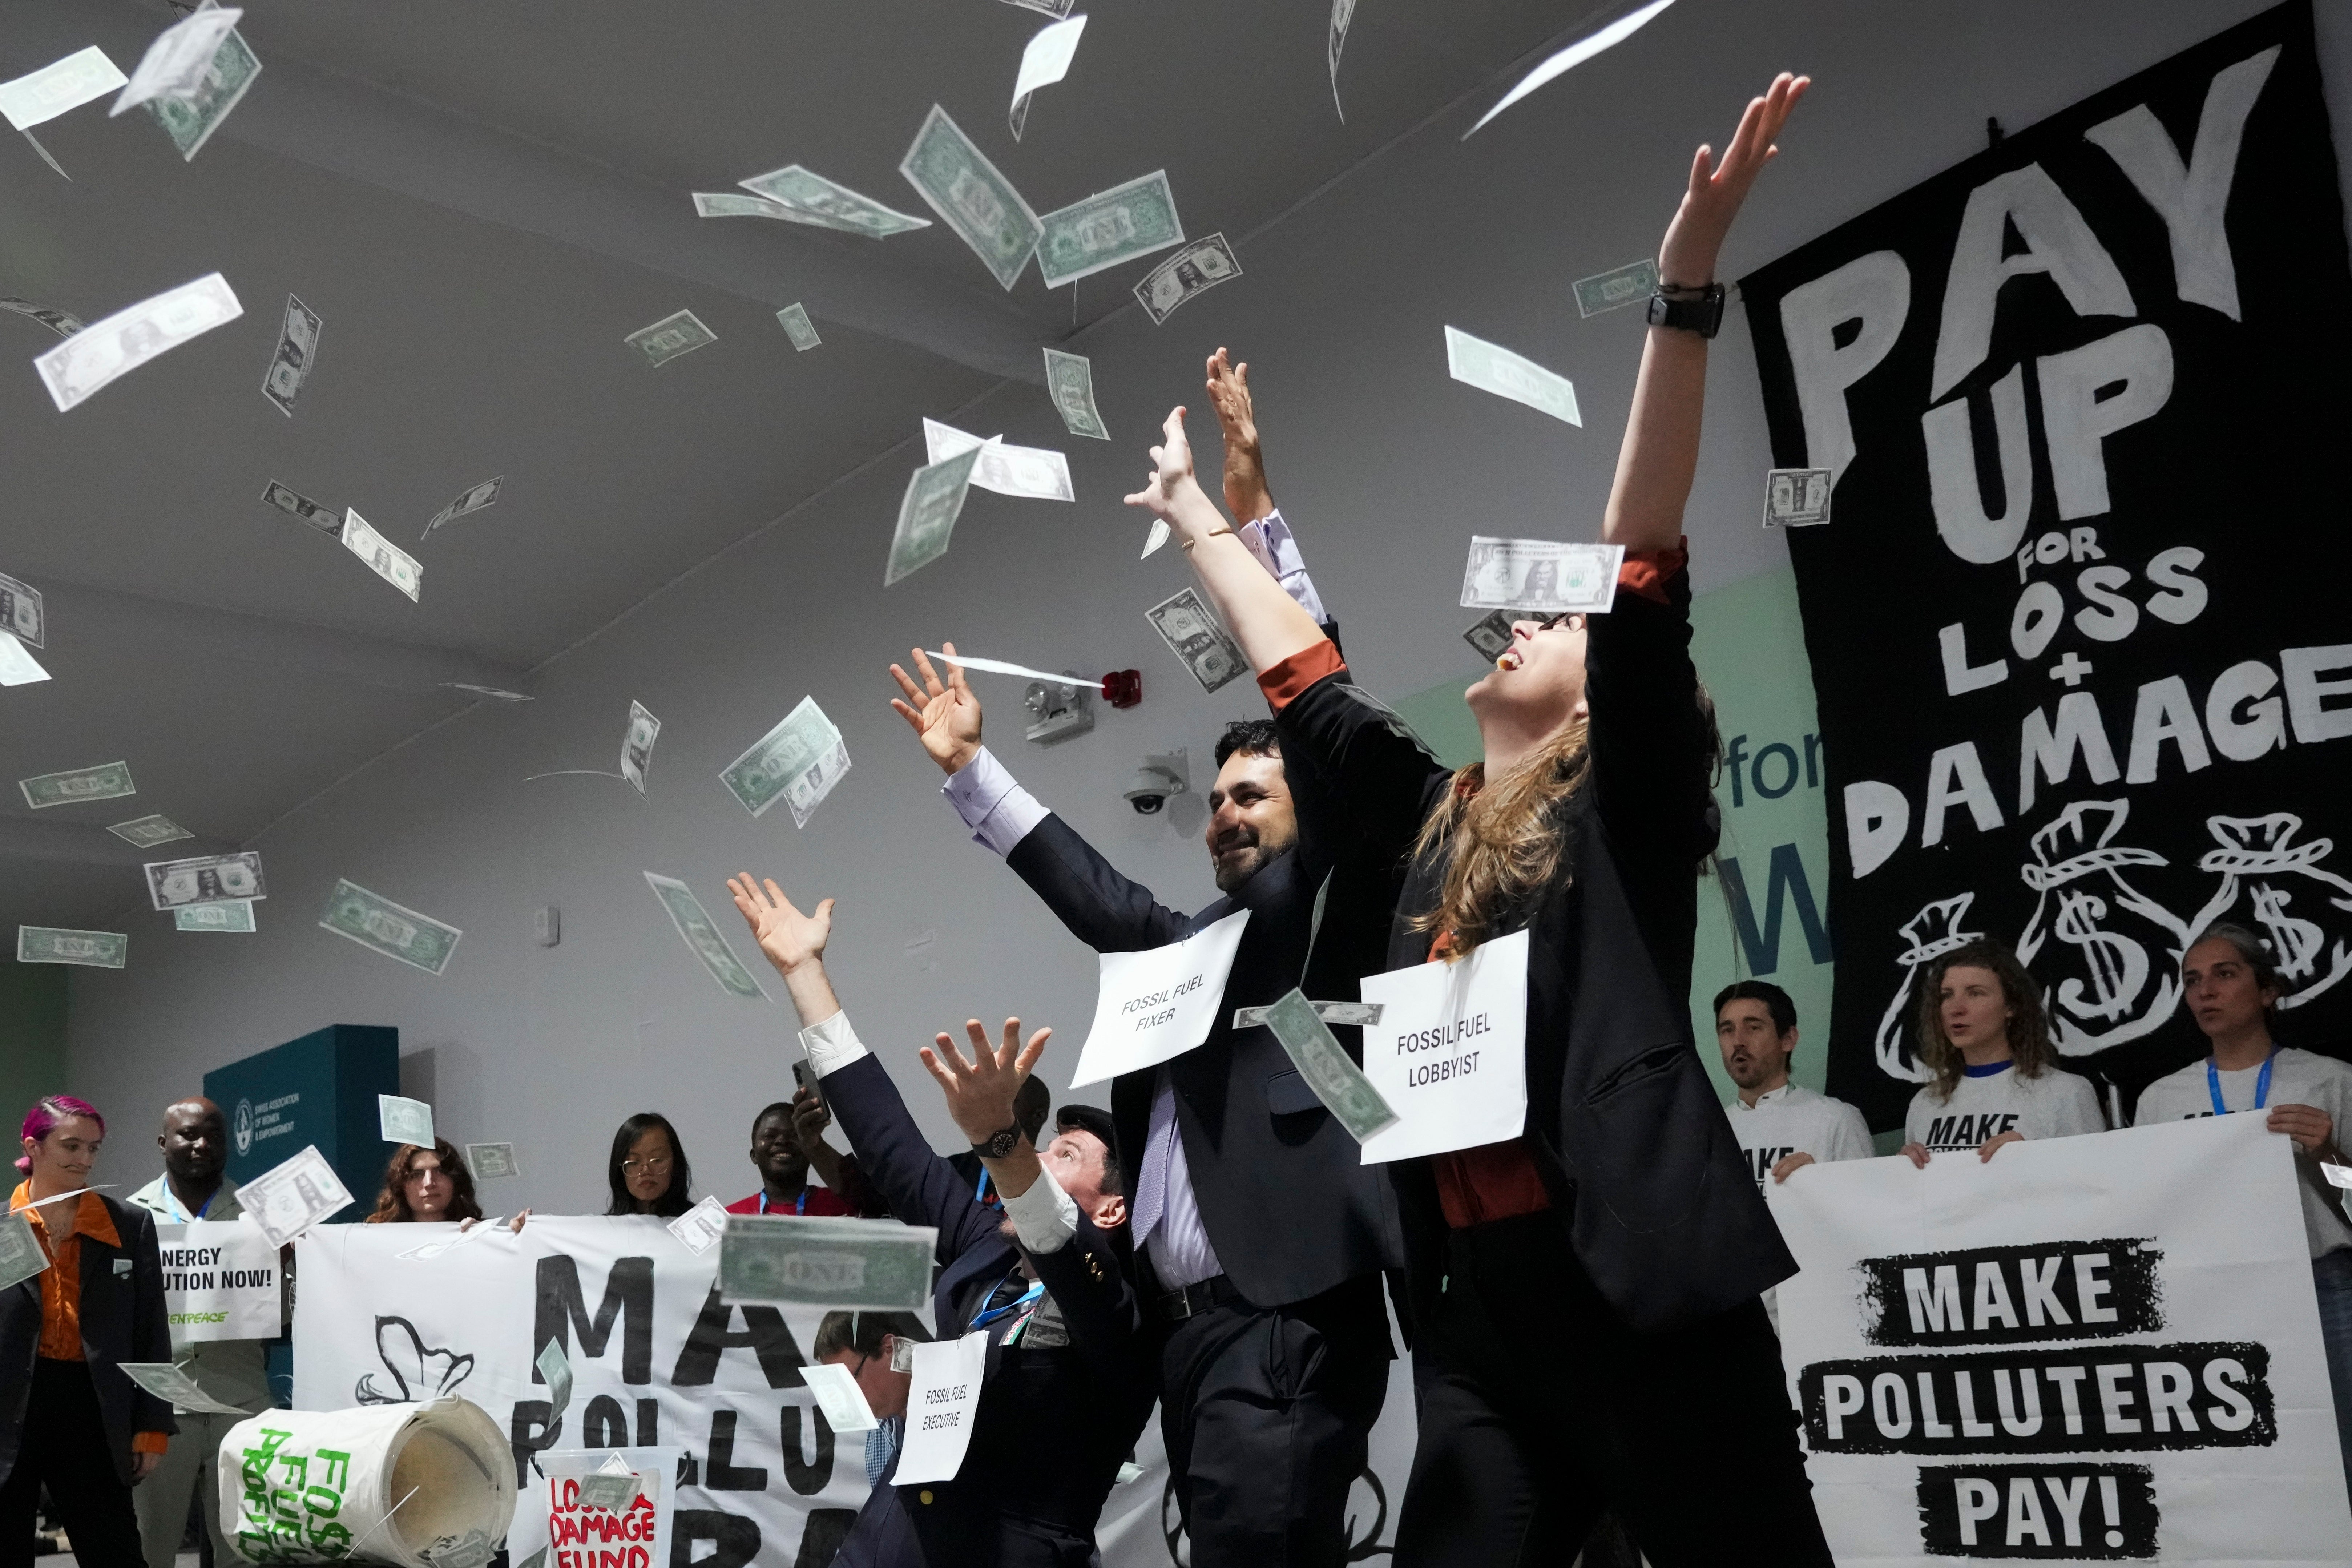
788	937
944	715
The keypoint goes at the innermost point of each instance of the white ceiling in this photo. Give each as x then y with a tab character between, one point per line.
481	200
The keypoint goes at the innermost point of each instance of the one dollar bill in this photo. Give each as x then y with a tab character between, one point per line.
147	832
297	346
972	197
1490	367
702	937
205	879
862	1265
52	944
385	559
108	781
20	612
809	198
927	512
1337	1081
1540	575
680	334
1194	635
798	763
102	353
1358	1014
228	915
1191	271
1626	285
376	922
1121	223
1071	380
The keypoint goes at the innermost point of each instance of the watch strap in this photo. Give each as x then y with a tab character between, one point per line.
1000	1143
1696	310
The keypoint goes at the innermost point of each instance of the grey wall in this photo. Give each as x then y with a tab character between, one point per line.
1384	466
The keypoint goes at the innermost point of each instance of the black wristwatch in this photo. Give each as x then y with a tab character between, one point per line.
998	1144
1696	310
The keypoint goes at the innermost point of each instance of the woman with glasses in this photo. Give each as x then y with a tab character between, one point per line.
648	1171
422	1185
1617	1212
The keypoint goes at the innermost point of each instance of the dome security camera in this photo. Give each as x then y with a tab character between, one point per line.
1152	783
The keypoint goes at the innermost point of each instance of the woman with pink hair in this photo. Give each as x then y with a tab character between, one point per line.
69	1419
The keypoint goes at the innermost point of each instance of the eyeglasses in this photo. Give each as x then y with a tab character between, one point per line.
652	1165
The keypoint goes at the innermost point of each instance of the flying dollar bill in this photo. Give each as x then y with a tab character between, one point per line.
734	204
609	1489
1121	223
1071	380
50	944
146	832
838	1397
1358	1014
1540	575
385	559
205	879
228	915
1035	473
64	323
20	612
1324	1063
927	513
1050	7
297	345
815	199
174	63
176	1386
1194	635
1794	498
1335	39
638	745
1574	55
99	354
799	327
496	693
798	762
108	781
700	1228
400	1120
1490	367
21	1254
702	938
1626	285
485	494
976	201
488	1161
18	667
861	1265
1045	61
680	334
295	504
1198	266
1491	632
393	929
190	118
288	1199
56	87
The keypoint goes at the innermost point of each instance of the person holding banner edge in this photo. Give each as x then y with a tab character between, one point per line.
1622	1220
195	1186
2230	986
1984	1036
1068	1383
1262	1238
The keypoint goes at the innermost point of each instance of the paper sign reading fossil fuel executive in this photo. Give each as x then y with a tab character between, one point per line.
941	1404
1159	1004
1450	1053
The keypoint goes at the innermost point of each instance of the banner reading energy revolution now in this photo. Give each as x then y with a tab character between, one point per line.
2101	1348
2077	625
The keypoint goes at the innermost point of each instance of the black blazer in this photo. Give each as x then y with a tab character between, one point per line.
1083	1403
123	1319
1288	1204
1645	1174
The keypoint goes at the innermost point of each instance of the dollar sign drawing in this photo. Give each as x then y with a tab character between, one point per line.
2118	965
2294	944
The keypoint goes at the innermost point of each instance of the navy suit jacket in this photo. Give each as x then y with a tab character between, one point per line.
1053	1425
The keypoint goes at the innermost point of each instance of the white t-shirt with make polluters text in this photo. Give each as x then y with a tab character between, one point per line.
1793	1119
1988	1102
2297	1078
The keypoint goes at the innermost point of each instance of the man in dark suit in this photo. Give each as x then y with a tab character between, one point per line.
1260	1235
69	1419
1068	1382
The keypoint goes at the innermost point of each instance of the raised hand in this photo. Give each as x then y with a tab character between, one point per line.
1718	188
791	940
981	1092
1246	496
946	718
1171	482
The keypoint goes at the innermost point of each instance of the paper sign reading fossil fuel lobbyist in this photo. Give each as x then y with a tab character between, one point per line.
1450	1053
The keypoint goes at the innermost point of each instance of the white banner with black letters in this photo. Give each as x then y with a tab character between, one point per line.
2094	1348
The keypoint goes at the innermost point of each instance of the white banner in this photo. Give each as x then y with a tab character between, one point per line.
2104	1347
220	1280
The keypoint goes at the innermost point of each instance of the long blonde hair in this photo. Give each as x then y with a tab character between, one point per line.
2029	1026
1504	837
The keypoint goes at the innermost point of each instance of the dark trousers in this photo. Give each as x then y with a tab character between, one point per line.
1539	1407
1266	1413
64	1446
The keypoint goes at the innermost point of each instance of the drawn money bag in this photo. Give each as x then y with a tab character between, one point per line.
2277	887
1932	932
2113	969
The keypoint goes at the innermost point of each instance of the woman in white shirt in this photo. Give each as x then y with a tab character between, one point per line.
1997	1080
2229	987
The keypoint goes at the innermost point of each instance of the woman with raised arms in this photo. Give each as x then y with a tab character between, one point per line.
1585	1294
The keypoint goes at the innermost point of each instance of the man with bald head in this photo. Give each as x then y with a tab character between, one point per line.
195	1185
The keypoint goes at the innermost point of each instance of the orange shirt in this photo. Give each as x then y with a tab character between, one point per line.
61	1281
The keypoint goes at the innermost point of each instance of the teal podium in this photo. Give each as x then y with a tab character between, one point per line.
318	1090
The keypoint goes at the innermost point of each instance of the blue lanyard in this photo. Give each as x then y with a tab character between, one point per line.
800	1204
979	1188
2261	1083
981	1319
